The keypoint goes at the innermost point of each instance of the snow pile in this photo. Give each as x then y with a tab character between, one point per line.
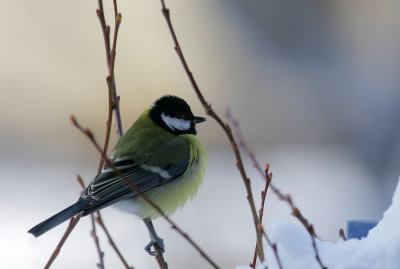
380	249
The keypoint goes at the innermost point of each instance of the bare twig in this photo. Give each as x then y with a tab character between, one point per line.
113	106
115	8
208	109
284	197
113	103
261	212
112	91
242	143
113	100
158	252
342	235
81	183
273	247
71	226
100	253
93	233
111	241
67	232
89	134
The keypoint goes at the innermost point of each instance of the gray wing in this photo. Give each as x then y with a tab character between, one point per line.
107	187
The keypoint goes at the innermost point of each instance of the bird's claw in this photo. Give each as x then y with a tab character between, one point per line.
157	241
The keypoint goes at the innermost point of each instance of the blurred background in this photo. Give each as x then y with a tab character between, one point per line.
314	85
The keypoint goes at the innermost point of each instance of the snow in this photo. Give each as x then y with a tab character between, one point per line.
380	249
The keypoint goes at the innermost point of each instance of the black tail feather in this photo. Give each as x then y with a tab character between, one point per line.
59	218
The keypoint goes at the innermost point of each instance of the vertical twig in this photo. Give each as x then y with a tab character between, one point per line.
93	233
112	92
342	235
111	241
284	197
67	232
133	187
57	250
113	99
158	252
273	247
261	212
224	126
100	253
264	194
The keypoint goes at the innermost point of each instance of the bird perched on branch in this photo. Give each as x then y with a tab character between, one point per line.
160	155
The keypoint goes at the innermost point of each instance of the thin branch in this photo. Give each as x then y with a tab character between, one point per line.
100	253
242	143
57	250
118	20
111	241
113	100
93	233
273	247
284	197
106	30
113	105
81	183
261	212
208	109
297	213
67	232
158	252
115	8
115	97
174	226
342	235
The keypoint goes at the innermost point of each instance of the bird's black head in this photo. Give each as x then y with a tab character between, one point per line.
174	115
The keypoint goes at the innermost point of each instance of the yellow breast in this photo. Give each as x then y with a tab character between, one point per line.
173	195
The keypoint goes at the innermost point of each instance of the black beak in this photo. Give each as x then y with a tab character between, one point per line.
198	119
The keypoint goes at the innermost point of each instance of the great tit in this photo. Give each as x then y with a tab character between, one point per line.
160	154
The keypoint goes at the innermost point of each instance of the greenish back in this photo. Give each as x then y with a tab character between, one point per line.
149	144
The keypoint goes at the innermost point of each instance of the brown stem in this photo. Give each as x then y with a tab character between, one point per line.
112	92
274	248
89	134
225	127
70	227
284	197
99	220
342	235
93	233
113	100
158	252
57	250
100	253
113	106
115	8
261	212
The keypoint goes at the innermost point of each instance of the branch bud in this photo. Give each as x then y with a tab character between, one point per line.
119	17
266	168
73	120
80	181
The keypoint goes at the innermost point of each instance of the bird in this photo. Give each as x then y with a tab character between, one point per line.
160	154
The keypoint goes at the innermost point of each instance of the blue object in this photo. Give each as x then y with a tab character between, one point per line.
359	228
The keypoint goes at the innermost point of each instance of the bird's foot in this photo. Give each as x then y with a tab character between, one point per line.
156	241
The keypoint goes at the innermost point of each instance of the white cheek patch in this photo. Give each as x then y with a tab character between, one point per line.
176	124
